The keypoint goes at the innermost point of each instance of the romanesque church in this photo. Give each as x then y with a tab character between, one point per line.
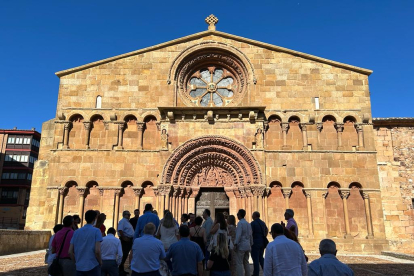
218	121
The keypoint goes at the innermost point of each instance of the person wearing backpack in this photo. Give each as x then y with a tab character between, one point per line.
61	243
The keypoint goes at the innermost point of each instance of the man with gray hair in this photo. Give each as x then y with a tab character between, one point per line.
147	251
125	233
291	223
328	264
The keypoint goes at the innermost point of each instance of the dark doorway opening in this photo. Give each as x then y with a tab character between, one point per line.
214	199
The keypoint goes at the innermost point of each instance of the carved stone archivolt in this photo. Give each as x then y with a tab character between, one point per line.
211	161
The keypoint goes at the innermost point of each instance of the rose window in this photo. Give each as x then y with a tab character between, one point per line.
212	86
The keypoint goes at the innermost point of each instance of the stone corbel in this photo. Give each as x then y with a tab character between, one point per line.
319	126
170	116
137	191
210	116
61	116
252	116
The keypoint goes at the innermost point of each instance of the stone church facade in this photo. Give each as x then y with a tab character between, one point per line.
216	121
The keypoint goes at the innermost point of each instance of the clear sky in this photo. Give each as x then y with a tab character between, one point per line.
39	38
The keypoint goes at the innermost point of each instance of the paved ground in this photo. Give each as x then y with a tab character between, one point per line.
32	264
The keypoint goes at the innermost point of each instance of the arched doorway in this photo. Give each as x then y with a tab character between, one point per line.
214	199
210	167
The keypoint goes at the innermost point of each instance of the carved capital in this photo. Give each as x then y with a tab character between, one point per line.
359	128
308	195
106	125
156	191
286	193
176	191
339	127
285	126
87	125
137	191
117	191
365	195
242	192
258	191
101	191
194	191
67	125
63	190
140	126
158	124
121	126
344	194
81	190
319	126
304	127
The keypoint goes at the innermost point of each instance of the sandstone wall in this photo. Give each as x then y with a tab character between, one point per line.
19	241
395	145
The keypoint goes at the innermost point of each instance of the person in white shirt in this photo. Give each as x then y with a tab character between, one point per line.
111	253
243	244
125	234
284	256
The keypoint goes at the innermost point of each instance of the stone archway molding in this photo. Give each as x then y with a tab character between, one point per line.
212	160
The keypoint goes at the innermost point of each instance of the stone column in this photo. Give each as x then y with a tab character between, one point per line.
121	127
62	193
345	195
368	216
360	131
266	215
67	127
156	193
286	195
319	127
167	191
260	201
255	195
249	204
339	129
101	193
285	127
179	204
176	192
310	219
187	196
116	215
324	195
304	136
81	191
140	128
191	200
137	193
88	126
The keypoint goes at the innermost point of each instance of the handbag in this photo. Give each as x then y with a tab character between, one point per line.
265	240
54	269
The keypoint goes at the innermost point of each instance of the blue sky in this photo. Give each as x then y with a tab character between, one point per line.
39	38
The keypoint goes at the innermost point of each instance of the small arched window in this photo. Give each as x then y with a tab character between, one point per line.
98	102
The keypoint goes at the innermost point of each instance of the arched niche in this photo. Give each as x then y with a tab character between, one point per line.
273	135
127	198
349	135
276	202
356	211
77	133
151	136
294	138
131	133
328	137
92	196
297	202
98	133
334	209
147	195
71	200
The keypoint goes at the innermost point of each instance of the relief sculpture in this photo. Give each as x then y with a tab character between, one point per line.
212	176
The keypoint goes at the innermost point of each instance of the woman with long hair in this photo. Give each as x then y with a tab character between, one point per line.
100	224
231	221
218	263
219	227
168	231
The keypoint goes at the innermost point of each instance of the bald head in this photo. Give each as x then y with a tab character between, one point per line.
327	246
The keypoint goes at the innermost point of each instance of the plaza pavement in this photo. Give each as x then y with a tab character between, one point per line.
32	263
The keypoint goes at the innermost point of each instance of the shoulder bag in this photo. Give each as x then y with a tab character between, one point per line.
54	269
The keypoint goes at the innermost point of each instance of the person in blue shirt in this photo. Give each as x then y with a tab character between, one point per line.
85	248
328	264
186	255
147	217
147	251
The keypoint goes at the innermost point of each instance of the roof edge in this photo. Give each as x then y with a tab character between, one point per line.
222	34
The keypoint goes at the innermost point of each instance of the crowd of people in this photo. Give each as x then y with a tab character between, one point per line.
191	247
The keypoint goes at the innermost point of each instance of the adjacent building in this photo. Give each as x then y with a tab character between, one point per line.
19	150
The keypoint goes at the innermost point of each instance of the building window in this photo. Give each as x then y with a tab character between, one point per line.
317	103
19	140
24	213
26	141
5	176
29	176
9	195
99	102
32	159
13	175
35	143
10	140
21	176
24	158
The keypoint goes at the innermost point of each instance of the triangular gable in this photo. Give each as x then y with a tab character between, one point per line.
224	35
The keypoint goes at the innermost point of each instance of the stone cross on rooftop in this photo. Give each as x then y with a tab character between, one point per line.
211	20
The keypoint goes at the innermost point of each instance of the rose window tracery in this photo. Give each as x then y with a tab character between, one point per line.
212	86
